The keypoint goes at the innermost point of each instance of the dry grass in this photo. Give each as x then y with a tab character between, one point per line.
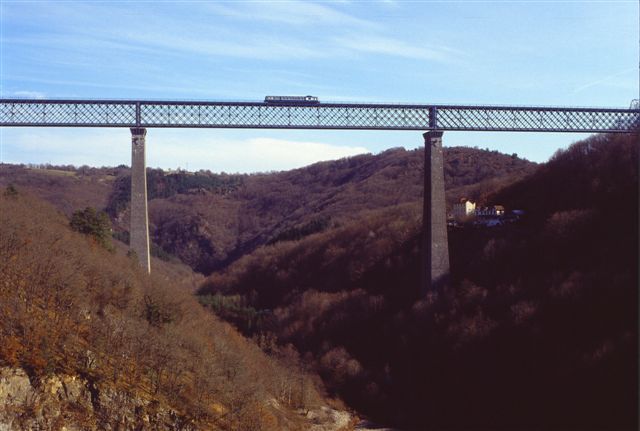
68	306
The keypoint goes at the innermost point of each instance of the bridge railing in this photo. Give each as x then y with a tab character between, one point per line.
105	113
537	119
51	113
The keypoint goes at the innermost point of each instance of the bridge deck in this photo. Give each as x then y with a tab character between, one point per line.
109	113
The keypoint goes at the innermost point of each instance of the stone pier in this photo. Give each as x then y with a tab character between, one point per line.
139	230
435	245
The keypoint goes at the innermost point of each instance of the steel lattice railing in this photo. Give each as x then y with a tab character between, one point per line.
101	113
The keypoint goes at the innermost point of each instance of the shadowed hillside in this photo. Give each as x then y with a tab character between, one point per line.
538	329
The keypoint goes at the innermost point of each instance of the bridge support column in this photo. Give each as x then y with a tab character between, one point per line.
139	229
435	245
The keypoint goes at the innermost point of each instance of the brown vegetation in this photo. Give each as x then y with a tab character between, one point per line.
215	230
66	187
537	329
69	307
210	220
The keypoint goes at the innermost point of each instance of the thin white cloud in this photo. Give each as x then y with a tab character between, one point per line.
94	147
167	149
305	31
28	94
394	47
156	41
607	80
199	90
84	31
87	42
244	156
296	13
239	45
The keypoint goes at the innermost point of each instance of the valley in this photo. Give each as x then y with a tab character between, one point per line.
319	268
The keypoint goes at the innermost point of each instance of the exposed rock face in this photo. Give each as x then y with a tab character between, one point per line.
70	403
328	419
15	393
14	386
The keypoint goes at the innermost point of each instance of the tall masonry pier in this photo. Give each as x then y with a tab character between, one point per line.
139	230
435	244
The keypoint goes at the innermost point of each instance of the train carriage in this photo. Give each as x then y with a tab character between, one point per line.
291	100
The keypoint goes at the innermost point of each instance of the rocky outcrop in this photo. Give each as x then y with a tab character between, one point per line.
63	402
72	403
327	419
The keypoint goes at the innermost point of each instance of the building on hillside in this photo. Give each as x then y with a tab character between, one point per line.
466	211
492	211
464	208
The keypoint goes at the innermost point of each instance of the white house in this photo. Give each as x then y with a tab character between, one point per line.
464	208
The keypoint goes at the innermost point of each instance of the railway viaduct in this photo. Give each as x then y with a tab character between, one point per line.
434	120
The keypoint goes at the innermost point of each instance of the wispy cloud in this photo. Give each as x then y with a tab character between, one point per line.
87	42
248	155
394	47
607	80
272	30
107	86
27	94
392	3
168	149
259	48
84	32
155	41
295	13
66	146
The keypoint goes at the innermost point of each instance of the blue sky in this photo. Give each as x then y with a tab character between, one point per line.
577	53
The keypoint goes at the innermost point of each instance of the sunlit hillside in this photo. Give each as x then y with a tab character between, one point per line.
209	220
90	341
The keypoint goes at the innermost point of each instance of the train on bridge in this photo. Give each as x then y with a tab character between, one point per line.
297	100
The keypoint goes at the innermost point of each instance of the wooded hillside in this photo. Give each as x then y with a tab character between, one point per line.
537	330
140	346
209	220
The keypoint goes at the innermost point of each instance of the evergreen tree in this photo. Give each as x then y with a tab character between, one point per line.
93	223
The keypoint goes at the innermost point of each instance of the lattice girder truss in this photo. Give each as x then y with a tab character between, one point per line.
96	113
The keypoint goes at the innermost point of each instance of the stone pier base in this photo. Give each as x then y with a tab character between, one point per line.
139	230
435	244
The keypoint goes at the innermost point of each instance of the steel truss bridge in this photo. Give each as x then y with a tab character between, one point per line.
434	119
354	116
